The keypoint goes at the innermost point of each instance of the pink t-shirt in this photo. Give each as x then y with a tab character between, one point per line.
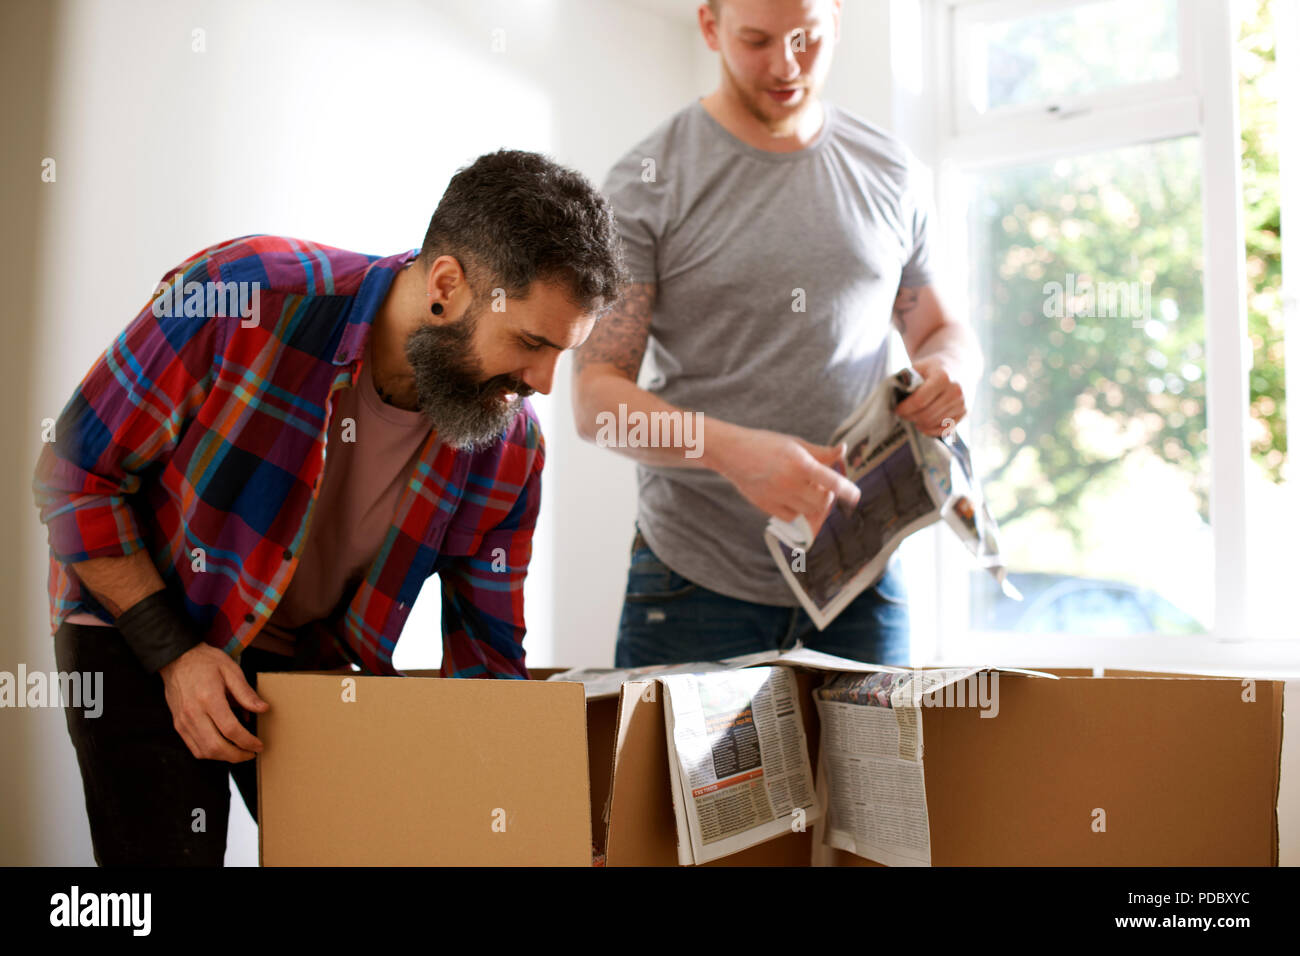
371	450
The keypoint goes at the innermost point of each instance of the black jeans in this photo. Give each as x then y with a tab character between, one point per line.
150	801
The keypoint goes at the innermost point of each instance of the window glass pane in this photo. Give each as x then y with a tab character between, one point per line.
1072	52
1090	429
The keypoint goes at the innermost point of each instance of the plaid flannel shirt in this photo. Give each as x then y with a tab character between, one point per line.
205	438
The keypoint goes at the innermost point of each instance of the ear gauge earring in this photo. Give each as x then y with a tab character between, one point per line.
436	308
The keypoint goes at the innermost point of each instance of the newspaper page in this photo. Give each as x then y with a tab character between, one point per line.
907	481
872	761
738	760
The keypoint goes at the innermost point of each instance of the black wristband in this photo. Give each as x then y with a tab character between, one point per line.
157	631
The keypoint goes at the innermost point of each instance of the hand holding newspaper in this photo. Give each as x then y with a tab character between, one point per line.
908	480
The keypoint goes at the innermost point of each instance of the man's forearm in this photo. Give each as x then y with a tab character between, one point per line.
693	440
957	348
150	620
119	583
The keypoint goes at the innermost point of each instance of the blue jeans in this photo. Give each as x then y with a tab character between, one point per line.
668	619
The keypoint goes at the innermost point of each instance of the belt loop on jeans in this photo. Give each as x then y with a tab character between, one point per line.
638	541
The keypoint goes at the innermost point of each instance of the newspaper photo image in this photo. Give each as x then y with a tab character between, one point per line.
908	480
737	759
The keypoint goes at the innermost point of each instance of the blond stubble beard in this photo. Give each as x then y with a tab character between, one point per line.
785	125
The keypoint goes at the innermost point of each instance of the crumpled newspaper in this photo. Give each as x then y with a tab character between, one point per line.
951	478
942	464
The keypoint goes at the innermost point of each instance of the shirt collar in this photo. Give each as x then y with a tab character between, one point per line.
365	304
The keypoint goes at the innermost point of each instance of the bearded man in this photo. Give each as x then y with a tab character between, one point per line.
263	469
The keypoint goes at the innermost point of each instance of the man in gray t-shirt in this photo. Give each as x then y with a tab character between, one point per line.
769	236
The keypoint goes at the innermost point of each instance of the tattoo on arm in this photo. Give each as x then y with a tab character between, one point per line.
619	339
903	304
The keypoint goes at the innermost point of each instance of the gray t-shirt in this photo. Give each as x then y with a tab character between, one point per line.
775	277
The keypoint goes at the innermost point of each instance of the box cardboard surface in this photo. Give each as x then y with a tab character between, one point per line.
421	771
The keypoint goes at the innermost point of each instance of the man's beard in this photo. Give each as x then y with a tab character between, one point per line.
467	412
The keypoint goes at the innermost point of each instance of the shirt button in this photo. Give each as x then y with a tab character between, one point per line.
249	618
288	555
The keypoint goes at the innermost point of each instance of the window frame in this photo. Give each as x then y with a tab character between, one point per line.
1002	121
1202	102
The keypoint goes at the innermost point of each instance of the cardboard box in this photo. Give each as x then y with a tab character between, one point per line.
418	771
1186	771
